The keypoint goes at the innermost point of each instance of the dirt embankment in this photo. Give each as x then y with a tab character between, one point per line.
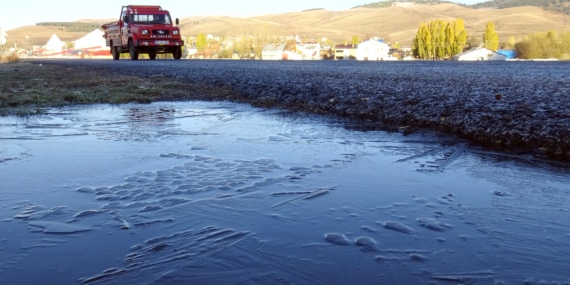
515	106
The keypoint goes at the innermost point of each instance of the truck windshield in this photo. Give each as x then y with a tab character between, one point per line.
150	19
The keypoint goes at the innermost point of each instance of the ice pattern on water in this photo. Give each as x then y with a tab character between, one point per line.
397	226
11	153
434	224
190	246
198	178
58	227
435	160
366	244
149	191
337	238
214	255
210	217
37	212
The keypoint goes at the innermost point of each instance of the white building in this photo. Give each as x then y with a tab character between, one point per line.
373	49
345	51
273	52
309	51
479	54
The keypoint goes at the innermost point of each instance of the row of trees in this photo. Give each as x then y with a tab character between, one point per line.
242	46
388	3
72	26
560	6
501	4
439	39
551	5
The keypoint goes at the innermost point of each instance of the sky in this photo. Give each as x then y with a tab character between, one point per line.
15	14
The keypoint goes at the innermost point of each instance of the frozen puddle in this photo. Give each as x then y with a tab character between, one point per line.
220	193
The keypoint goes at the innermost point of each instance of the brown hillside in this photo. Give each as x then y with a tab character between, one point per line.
29	36
396	23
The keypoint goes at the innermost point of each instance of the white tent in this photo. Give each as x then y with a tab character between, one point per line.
92	41
54	45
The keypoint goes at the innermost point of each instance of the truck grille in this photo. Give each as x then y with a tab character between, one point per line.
161	33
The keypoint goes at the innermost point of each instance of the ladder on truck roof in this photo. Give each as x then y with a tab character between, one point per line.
143	7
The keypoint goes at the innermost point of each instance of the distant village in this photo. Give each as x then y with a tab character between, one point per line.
92	45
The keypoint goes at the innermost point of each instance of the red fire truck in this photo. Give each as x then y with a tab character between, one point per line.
143	29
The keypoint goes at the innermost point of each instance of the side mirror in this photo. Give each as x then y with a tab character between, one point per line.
126	19
177	22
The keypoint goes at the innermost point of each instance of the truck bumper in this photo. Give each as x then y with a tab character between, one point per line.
160	43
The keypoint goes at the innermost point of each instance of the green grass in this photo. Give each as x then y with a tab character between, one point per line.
28	89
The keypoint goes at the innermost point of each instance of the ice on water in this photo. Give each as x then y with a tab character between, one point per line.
225	193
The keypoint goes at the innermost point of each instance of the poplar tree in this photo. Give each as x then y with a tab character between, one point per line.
423	43
201	42
355	40
416	45
432	28
460	36
451	46
441	39
490	37
553	41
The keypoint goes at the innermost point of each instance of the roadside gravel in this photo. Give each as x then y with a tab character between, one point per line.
520	107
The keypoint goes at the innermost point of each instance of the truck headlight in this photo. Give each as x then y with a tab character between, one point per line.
175	32
145	32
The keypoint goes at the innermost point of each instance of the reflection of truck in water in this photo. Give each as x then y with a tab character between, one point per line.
143	29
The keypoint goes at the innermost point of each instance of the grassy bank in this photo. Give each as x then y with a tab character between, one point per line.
27	88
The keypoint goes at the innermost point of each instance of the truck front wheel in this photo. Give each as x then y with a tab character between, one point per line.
133	51
177	53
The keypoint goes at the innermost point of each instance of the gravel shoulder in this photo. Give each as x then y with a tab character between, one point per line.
519	107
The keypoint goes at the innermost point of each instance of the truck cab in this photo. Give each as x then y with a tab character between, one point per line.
143	29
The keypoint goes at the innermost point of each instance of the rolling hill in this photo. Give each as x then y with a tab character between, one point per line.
38	35
398	22
562	6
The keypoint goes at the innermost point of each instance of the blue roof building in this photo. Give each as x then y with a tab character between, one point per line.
509	53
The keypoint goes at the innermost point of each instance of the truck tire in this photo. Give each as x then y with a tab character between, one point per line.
133	51
152	54
177	53
115	52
